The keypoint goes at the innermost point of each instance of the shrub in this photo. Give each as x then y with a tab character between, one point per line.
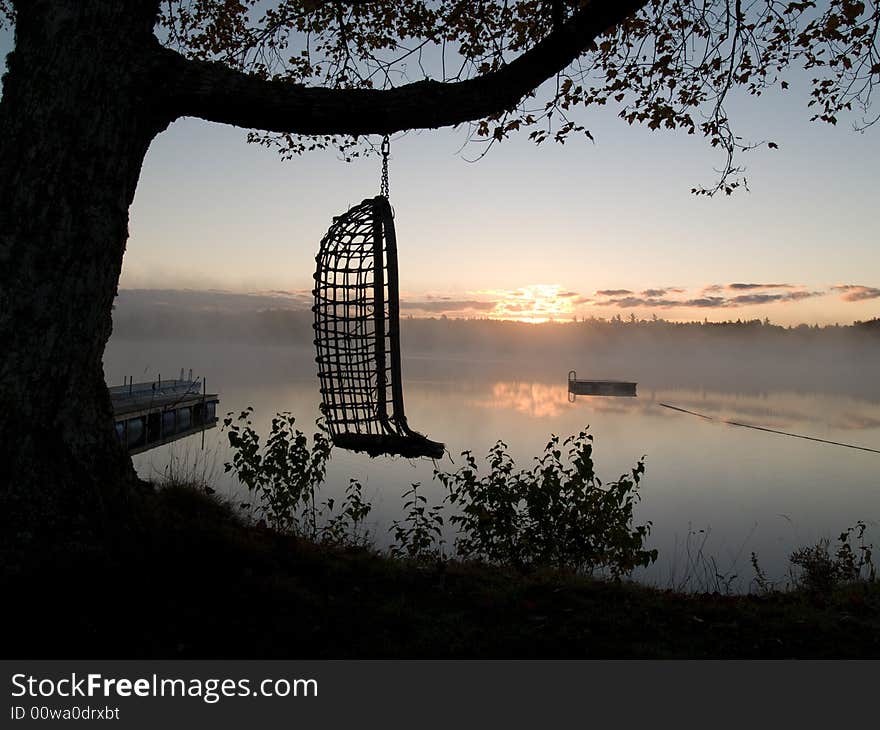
346	527
286	475
820	571
419	536
558	514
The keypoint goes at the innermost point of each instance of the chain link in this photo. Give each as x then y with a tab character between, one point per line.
386	150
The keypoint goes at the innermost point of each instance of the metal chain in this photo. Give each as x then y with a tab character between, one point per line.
386	150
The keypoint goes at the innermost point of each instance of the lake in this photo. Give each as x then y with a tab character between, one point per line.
715	493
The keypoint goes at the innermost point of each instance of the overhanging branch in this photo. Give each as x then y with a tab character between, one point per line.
217	93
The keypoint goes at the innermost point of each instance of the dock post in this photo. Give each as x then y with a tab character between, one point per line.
204	392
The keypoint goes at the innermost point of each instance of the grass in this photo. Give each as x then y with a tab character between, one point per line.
190	579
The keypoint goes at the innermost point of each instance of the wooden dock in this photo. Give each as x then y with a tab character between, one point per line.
150	414
616	388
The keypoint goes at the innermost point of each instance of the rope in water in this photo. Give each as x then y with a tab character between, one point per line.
768	430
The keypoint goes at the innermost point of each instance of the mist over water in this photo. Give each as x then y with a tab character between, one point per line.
469	384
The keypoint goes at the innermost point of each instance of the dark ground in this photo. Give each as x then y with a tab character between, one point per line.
191	581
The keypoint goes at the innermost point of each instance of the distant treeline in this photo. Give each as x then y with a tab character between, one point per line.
164	320
740	356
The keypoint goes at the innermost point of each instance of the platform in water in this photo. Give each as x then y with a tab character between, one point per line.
158	412
600	387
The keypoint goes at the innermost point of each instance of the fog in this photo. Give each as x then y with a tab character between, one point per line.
747	357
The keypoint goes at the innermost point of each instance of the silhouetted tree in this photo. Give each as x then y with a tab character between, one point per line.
91	82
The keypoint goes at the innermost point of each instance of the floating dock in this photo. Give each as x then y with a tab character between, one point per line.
599	387
150	414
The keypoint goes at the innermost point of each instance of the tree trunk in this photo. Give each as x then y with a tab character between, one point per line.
76	120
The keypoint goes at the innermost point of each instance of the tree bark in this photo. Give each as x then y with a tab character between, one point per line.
77	116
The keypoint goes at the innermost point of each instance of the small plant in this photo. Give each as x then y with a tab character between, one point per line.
558	514
419	536
820	571
346	527
286	474
764	584
490	520
856	564
701	572
193	469
286	477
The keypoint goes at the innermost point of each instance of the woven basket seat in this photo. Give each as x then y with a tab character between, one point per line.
357	335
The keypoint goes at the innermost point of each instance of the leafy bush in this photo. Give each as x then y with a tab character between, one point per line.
346	527
820	571
286	475
558	514
419	536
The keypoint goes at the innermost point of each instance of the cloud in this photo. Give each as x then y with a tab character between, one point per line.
750	287
796	296
705	302
746	299
448	305
663	291
659	303
745	287
613	292
630	302
856	292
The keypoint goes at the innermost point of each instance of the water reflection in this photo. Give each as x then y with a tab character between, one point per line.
777	410
539	400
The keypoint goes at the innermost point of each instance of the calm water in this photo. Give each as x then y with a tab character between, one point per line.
727	490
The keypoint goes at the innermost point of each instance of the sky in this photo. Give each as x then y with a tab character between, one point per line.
534	233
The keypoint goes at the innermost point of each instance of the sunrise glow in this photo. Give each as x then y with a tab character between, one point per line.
534	303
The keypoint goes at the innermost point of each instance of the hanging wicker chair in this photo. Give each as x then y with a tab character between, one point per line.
357	335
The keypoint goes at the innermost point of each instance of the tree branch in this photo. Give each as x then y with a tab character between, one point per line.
216	93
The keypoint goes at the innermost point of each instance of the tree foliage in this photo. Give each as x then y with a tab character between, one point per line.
671	65
668	64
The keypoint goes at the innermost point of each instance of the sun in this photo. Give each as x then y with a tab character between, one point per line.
534	303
